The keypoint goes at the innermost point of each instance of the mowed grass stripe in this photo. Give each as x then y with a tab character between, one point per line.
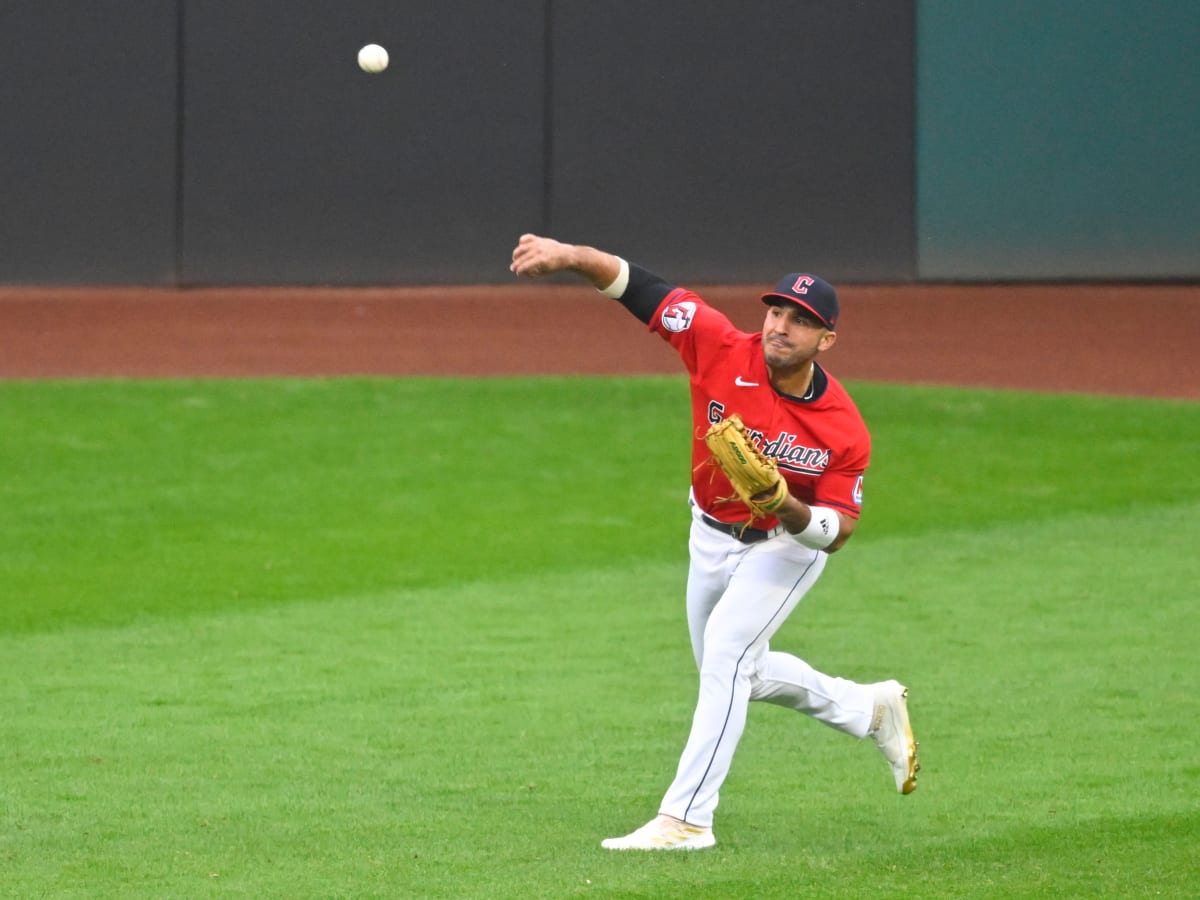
120	500
356	746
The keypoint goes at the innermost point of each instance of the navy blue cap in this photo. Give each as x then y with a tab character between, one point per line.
814	294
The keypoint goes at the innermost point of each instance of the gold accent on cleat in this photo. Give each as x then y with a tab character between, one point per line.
893	734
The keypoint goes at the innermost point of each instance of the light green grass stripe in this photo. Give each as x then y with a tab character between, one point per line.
125	499
478	741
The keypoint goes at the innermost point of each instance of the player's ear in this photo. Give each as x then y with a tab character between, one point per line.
828	339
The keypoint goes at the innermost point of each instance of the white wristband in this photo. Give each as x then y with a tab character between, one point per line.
822	529
617	288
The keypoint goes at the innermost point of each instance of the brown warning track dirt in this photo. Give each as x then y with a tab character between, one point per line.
1115	339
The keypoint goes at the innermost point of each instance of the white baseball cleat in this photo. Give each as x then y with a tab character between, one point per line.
663	833
892	733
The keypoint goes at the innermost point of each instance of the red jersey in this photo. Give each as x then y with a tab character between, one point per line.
821	444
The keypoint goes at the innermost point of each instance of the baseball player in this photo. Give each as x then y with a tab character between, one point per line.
748	572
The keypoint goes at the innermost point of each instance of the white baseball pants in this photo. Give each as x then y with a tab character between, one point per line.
738	595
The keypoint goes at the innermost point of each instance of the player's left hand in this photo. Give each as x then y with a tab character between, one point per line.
754	477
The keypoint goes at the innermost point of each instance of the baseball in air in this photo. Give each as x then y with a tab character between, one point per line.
373	59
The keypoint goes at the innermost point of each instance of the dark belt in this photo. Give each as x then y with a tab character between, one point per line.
735	530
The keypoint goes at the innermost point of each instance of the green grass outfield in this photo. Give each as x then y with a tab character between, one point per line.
425	638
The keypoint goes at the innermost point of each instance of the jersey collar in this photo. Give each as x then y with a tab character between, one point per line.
816	387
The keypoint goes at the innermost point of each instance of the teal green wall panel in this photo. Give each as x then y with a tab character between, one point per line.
1058	139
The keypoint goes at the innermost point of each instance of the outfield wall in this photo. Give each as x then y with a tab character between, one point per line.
1058	139
235	142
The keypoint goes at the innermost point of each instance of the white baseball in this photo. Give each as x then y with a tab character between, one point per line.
372	58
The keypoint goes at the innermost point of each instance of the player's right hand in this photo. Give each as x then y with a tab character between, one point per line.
535	255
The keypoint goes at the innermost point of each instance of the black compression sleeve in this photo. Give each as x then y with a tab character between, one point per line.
644	292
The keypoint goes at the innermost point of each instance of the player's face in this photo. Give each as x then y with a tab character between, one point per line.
791	337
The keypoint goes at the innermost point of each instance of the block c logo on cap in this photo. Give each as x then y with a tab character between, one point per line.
803	283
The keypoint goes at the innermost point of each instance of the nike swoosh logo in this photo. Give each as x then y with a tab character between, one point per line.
738	381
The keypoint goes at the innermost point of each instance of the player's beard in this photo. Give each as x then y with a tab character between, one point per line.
783	357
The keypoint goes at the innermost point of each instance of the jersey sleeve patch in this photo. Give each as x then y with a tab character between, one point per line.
677	316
